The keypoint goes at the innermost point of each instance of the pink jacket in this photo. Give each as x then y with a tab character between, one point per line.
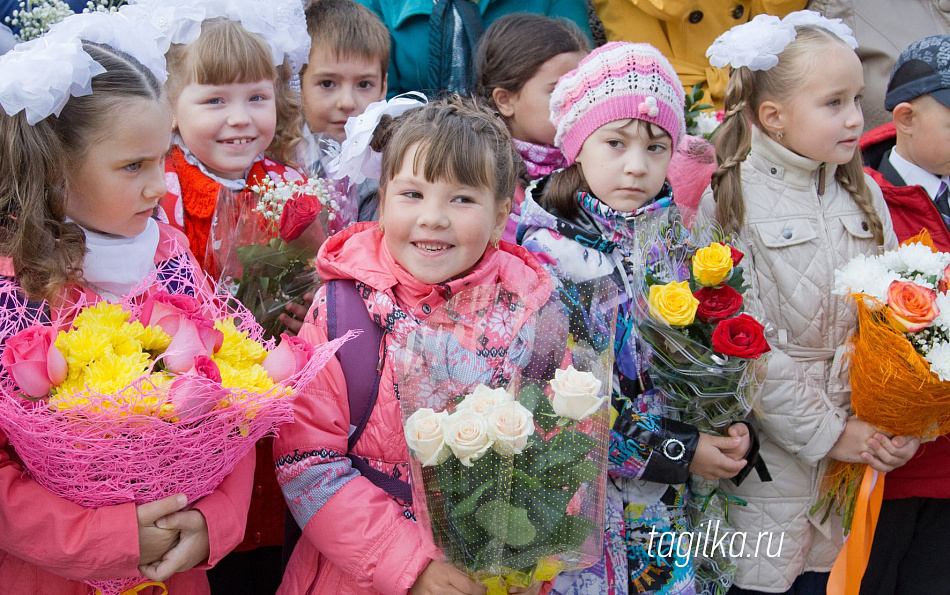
356	538
44	538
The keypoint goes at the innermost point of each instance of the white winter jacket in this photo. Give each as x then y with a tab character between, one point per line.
794	240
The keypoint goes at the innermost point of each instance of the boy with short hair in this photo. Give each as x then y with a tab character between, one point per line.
910	160
349	59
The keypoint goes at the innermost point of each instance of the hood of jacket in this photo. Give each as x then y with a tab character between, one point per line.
367	259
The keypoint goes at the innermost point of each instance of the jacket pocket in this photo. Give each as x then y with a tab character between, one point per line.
857	226
786	233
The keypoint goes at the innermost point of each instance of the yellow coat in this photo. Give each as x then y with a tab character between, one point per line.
683	29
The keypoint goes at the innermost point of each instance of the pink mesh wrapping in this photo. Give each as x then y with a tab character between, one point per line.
95	458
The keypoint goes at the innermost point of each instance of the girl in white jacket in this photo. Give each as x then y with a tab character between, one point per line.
802	207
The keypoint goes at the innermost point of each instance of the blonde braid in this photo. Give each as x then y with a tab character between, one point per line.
851	177
733	142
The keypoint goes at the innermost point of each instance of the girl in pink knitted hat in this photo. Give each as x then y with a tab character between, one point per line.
618	119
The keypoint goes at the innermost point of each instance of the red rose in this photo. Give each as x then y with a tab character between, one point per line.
298	214
736	256
717	303
741	336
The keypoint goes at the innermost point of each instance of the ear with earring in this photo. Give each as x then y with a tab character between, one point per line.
779	135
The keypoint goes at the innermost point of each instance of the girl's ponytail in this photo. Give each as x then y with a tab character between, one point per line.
560	192
733	141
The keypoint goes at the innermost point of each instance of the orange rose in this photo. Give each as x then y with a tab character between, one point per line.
912	307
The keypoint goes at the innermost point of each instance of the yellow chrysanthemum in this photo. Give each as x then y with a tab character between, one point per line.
252	378
153	338
101	316
82	346
113	373
237	350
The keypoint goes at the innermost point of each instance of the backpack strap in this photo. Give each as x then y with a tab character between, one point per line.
346	310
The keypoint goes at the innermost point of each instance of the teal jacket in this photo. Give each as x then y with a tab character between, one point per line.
408	23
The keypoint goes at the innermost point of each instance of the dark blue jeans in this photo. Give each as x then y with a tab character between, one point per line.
810	583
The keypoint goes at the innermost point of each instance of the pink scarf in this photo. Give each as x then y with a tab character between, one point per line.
540	160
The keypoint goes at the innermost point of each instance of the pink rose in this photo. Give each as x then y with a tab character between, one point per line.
167	311
198	390
33	360
298	214
288	358
186	346
944	284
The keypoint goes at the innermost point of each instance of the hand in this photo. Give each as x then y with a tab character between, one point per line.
192	548
887	453
534	589
298	312
738	452
710	460
154	541
853	441
439	578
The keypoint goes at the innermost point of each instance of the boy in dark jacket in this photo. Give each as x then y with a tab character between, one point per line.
910	159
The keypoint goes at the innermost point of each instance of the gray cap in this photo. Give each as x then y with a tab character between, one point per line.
924	67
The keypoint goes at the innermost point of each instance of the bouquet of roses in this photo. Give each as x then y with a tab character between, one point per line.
703	351
112	403
506	418
901	351
262	243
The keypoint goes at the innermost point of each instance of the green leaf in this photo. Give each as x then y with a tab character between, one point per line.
493	517
584	471
520	530
467	506
531	396
574	531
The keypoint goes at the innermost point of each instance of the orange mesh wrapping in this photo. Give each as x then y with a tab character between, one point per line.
892	386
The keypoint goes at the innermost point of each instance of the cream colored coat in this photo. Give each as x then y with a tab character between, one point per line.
794	240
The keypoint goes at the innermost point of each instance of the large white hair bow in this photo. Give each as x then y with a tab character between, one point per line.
40	75
357	161
758	43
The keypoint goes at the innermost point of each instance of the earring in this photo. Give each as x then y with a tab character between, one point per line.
494	242
779	135
381	228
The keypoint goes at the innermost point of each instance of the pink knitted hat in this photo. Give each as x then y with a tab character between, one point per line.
616	81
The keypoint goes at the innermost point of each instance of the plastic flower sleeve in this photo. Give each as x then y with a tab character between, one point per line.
704	352
262	244
505	406
314	153
157	434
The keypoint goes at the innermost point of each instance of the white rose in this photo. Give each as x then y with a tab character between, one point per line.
424	435
483	399
576	394
466	433
509	425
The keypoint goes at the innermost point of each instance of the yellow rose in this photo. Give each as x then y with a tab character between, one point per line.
673	303
712	264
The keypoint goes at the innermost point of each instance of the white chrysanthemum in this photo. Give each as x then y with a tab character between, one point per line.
942	320
939	360
865	274
916	258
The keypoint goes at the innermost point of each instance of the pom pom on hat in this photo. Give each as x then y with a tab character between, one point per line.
617	81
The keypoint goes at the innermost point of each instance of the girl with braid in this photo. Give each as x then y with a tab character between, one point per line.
789	182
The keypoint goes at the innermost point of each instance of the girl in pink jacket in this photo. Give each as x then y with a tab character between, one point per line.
448	175
77	193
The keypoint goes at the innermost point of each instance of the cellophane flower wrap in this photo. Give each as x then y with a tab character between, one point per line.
899	357
508	446
132	402
704	349
263	242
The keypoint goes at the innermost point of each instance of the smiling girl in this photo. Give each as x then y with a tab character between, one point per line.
235	121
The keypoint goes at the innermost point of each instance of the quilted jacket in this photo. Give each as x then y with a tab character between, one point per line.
794	239
356	538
